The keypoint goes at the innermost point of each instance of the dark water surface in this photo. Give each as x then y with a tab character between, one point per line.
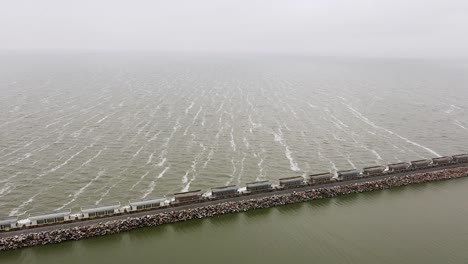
414	224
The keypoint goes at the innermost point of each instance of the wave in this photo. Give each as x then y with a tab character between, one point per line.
367	121
288	153
152	185
458	123
150	158
142	177
16	210
82	189
189	107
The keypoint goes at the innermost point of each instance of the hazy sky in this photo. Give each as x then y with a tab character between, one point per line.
323	27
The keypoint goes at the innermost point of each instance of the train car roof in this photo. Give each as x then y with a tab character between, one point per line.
420	161
351	170
373	167
292	179
146	202
320	174
260	183
100	209
229	187
188	192
399	163
255	182
444	157
8	220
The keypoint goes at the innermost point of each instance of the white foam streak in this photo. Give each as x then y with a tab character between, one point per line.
351	163
253	125
142	177
150	158
161	162
192	169
11	177
66	161
83	164
7	188
234	169
185	178
288	153
376	154
460	125
311	105
193	120
82	189
246	142
155	136
208	158
261	169
367	121
15	211
23	147
233	143
338	120
152	185
333	165
188	108
241	172
138	152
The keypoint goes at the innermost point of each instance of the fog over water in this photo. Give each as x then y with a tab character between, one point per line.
417	28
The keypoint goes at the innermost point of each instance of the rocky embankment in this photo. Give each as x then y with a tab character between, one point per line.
117	226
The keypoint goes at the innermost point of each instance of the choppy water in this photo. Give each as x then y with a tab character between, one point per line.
90	129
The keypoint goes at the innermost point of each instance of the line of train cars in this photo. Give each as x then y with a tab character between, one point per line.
198	196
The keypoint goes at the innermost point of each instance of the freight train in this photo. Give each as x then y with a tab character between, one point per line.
225	192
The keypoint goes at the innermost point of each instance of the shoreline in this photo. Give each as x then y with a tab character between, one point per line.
203	211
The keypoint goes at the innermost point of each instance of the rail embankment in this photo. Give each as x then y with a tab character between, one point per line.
121	225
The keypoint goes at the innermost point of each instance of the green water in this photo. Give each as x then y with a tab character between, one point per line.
414	224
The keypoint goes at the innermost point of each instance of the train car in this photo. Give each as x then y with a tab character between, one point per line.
461	158
320	178
441	161
420	164
346	175
373	171
291	182
225	191
142	205
48	219
397	167
187	197
95	212
8	223
259	186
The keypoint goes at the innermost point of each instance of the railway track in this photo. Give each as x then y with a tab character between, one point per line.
214	202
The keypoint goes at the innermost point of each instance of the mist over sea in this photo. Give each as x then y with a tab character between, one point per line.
91	129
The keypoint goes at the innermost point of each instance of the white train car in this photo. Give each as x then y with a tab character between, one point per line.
140	205
8	223
48	219
102	211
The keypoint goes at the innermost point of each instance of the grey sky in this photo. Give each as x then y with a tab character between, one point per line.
324	27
